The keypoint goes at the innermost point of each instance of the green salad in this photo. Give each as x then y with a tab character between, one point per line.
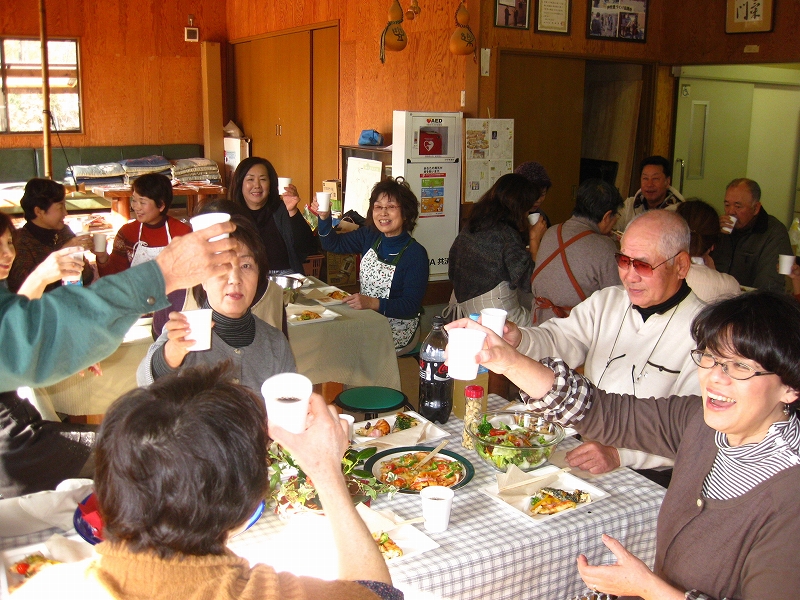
502	444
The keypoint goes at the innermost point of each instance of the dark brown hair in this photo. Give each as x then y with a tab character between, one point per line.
235	190
508	201
41	193
5	223
703	223
399	191
181	463
157	187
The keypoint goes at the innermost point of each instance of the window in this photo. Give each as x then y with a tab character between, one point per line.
21	71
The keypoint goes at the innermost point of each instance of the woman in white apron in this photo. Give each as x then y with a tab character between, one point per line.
394	267
143	240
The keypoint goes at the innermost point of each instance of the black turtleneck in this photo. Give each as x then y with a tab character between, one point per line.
660	309
49	237
236	332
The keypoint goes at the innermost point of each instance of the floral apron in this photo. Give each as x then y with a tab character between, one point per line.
376	281
143	253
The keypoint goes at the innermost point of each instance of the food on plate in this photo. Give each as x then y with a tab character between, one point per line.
380	429
388	548
549	501
98	223
29	566
404	421
402	473
308	315
337	295
502	444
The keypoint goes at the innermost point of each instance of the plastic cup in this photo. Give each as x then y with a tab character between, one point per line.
199	328
324	201
283	182
785	263
286	396
100	241
71	279
437	502
729	228
494	319
207	220
347	422
533	218
463	346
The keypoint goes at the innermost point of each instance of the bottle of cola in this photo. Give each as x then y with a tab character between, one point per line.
435	386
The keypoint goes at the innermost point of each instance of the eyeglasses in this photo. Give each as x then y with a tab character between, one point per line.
642	268
733	369
386	207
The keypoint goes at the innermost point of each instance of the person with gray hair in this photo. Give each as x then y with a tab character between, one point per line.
750	251
576	258
632	338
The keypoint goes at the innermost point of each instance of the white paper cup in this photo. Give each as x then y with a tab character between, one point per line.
199	328
283	182
347	422
533	218
437	502
785	263
494	319
77	257
286	396
463	346
100	242
207	220
729	228
324	201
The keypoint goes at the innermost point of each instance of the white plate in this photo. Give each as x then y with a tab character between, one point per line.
565	481
320	294
433	433
12	555
411	540
324	313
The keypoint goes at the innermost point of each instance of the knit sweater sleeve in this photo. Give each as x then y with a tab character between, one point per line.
409	284
352	242
118	259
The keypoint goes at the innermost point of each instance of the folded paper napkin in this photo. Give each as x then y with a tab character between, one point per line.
67	550
407	437
511	486
43	510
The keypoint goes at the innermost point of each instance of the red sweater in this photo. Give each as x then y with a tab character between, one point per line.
154	235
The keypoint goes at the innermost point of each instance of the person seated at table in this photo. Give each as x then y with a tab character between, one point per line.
576	258
706	282
35	454
181	467
728	521
258	350
394	266
45	206
143	239
489	264
537	175
284	231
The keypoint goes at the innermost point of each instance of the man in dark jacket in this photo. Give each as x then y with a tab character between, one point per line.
750	252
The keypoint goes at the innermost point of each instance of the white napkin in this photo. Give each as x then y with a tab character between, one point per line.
511	486
66	550
43	510
406	437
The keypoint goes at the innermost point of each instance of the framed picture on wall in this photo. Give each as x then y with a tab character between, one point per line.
612	20
552	16
514	14
746	16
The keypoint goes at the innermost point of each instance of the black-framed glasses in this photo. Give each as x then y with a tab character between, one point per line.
732	368
642	268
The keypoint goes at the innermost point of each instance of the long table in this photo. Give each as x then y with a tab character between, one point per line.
120	195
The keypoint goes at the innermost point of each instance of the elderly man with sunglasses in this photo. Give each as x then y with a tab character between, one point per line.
631	339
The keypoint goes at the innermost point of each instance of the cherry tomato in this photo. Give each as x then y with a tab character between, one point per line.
22	568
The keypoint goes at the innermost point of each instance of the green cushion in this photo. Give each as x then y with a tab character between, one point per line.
17	164
59	162
140	151
177	151
97	155
371	399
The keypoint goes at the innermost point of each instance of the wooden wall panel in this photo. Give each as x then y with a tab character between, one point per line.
325	106
141	82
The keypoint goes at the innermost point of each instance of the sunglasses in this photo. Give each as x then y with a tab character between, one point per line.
642	268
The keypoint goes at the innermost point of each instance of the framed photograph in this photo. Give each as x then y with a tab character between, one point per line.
515	14
552	16
611	20
747	16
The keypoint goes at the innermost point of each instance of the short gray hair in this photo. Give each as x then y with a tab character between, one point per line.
752	187
675	235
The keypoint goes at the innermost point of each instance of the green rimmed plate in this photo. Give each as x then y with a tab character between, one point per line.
373	464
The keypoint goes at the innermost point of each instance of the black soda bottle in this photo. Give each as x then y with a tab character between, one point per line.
435	386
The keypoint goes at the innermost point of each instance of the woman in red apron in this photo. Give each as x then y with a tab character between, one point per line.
394	266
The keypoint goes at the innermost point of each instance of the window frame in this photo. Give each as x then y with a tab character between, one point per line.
5	124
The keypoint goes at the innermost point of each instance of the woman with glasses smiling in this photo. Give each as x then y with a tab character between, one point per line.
394	266
729	522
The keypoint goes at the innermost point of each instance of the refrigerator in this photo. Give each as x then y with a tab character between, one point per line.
426	151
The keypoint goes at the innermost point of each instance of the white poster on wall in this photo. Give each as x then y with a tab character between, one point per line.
489	154
362	175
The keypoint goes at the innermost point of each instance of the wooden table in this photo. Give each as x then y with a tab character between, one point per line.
120	196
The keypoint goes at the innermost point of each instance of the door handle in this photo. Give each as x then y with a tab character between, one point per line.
276	129
280	129
682	164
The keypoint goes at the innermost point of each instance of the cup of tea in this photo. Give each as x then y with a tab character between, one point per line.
437	502
324	201
286	396
199	328
283	183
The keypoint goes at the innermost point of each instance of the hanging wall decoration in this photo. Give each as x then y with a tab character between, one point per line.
393	37
413	10
462	42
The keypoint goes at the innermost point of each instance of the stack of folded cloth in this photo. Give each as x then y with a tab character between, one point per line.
136	167
107	173
188	170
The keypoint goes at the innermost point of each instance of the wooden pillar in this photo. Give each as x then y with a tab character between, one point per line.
211	67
